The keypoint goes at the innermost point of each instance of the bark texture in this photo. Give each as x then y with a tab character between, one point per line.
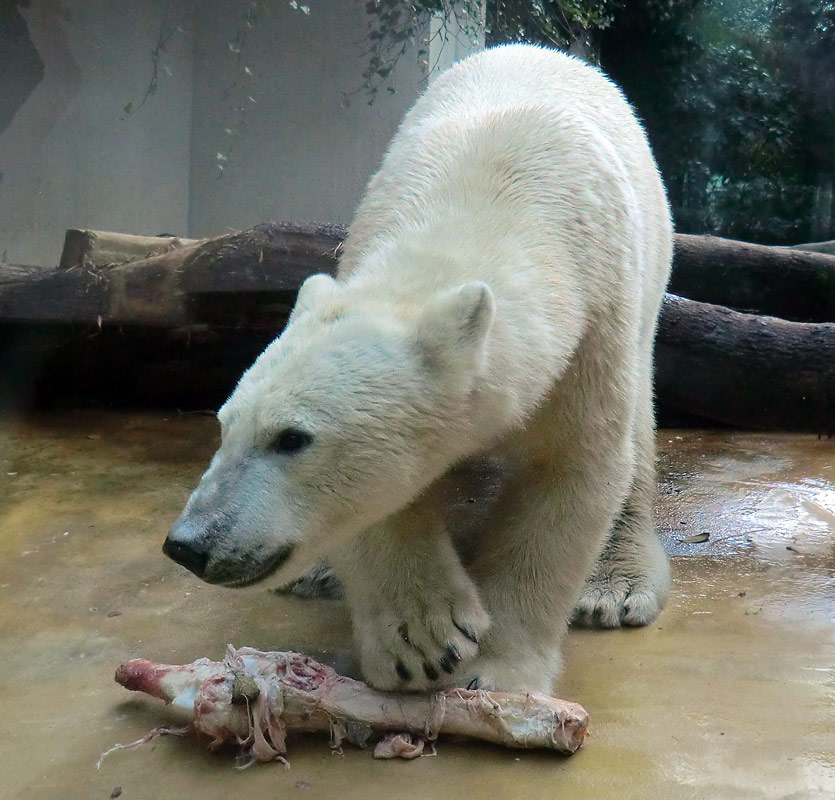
180	326
746	370
783	282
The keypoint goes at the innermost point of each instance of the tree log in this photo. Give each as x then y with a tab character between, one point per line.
39	294
100	249
171	288
782	282
739	369
166	289
817	247
746	370
11	273
755	372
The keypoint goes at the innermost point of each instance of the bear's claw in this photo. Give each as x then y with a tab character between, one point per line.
467	631
425	652
402	672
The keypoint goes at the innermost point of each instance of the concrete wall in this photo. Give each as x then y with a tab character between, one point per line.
69	158
303	148
310	142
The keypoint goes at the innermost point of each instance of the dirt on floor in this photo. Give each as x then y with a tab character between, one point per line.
730	694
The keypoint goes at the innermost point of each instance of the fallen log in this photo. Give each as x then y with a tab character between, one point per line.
255	699
10	273
782	282
740	369
247	282
39	294
817	247
746	370
167	289
172	287
99	249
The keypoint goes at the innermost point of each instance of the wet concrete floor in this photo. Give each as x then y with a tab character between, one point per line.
731	694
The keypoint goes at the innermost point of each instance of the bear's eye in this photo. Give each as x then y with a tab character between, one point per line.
291	440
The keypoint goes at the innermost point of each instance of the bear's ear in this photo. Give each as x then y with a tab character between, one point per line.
315	290
452	330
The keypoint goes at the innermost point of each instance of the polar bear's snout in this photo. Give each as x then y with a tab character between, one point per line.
187	551
204	550
194	540
228	533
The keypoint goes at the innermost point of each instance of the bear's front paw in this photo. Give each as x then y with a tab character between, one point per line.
525	672
418	643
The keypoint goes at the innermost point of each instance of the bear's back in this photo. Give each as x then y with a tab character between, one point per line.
519	75
521	119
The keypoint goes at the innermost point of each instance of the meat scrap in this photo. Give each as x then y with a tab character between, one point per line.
255	699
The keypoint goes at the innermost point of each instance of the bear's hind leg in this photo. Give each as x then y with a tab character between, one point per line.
631	580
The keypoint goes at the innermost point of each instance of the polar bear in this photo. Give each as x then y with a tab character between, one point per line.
498	292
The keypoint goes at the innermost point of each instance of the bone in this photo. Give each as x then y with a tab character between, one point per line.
254	699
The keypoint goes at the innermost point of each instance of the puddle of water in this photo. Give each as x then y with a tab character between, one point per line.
729	695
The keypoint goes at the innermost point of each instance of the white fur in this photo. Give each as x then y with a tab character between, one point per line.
498	289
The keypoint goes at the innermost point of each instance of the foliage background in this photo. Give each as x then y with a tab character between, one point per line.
737	96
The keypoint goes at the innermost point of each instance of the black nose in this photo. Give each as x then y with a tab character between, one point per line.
187	554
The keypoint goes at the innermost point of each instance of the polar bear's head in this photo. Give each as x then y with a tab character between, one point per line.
350	413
